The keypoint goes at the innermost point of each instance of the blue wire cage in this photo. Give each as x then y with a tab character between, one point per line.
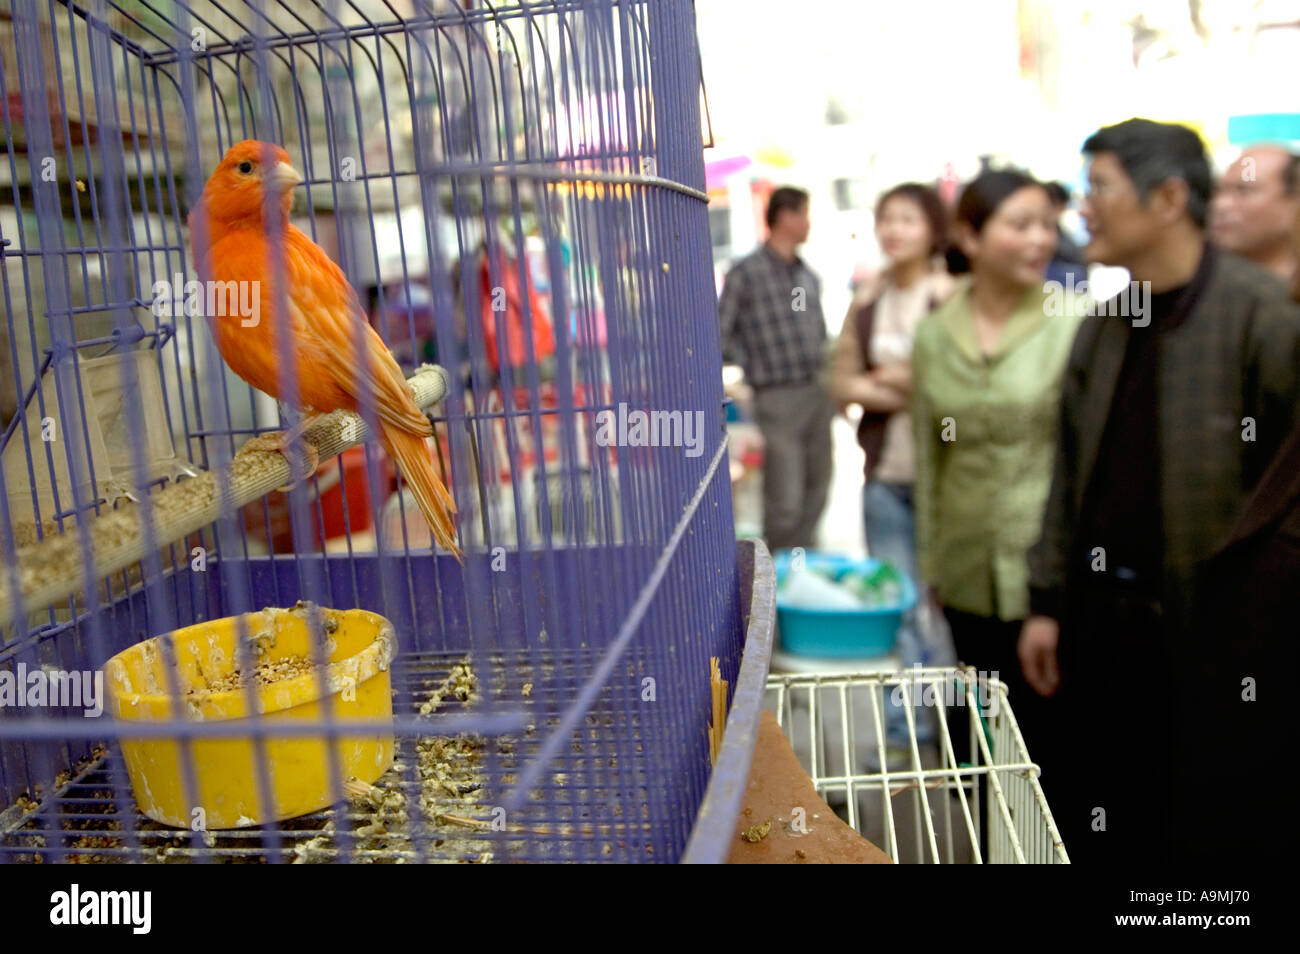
516	193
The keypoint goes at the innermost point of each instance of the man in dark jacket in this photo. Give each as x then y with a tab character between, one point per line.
1169	418
1237	729
1249	617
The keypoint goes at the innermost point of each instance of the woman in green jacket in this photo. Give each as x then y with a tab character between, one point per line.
987	369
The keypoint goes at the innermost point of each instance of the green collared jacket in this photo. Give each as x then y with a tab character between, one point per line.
985	438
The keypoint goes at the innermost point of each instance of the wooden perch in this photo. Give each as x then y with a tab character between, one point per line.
49	571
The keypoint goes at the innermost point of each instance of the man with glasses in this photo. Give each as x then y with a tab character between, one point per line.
1168	420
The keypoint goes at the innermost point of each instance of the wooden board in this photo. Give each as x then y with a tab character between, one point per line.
778	786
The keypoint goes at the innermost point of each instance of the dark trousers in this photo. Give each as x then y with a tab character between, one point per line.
989	645
1117	749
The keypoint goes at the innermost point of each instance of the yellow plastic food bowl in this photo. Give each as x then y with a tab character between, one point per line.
359	647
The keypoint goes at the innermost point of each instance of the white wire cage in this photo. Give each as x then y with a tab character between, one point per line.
917	801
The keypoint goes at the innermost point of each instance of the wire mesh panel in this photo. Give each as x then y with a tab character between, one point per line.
922	802
513	197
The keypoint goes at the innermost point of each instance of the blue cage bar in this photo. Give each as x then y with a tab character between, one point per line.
516	193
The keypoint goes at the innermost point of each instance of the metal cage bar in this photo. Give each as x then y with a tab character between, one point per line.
944	794
516	192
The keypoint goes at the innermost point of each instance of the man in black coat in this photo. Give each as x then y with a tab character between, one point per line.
1174	403
1236	730
1249	608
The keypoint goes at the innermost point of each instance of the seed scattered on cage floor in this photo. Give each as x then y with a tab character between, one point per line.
460	682
433	804
449	773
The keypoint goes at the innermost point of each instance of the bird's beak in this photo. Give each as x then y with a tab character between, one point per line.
284	177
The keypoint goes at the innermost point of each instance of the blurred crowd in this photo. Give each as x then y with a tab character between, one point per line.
1098	496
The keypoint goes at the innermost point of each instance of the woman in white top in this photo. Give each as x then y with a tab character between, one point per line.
871	367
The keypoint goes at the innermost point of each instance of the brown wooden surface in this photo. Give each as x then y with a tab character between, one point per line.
777	786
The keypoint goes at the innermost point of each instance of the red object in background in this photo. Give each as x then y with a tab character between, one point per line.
518	418
760	190
359	516
540	331
949	183
357	483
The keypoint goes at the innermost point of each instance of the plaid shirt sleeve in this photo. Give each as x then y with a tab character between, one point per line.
730	304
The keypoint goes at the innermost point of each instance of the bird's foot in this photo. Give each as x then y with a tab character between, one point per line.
282	442
115	490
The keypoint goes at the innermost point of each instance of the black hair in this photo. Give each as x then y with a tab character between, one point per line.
1291	174
1057	192
936	216
786	198
979	200
1152	152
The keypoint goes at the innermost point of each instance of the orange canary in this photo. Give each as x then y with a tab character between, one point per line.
323	320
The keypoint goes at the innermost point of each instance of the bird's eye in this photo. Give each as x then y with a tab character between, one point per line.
245	167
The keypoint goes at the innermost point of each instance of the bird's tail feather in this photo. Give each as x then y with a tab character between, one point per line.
416	464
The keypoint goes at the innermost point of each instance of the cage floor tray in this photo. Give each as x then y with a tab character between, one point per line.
437	804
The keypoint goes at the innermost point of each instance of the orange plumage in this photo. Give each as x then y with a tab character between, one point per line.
324	315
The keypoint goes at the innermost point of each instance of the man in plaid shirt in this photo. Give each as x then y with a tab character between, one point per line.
772	326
